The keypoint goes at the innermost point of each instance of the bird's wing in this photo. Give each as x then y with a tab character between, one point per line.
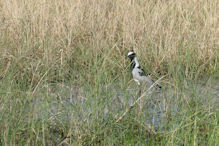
142	72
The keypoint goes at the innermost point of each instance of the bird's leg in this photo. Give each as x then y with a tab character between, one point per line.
141	91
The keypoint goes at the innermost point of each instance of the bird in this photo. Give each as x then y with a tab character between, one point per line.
138	73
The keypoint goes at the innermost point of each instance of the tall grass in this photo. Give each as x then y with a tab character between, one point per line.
80	47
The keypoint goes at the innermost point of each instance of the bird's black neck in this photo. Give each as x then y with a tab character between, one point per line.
132	65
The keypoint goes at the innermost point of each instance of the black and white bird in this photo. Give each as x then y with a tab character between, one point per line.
138	73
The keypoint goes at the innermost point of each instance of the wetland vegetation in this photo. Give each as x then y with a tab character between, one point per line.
65	78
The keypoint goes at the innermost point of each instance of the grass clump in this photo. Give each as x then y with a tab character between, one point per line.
64	74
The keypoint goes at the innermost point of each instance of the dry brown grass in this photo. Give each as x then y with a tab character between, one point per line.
37	33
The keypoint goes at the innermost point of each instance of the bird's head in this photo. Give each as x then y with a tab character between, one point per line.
131	55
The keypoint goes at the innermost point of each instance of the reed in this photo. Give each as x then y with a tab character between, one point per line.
52	50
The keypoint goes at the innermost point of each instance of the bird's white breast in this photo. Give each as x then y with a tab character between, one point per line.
138	78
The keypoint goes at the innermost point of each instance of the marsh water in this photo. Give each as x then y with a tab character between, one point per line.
65	104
